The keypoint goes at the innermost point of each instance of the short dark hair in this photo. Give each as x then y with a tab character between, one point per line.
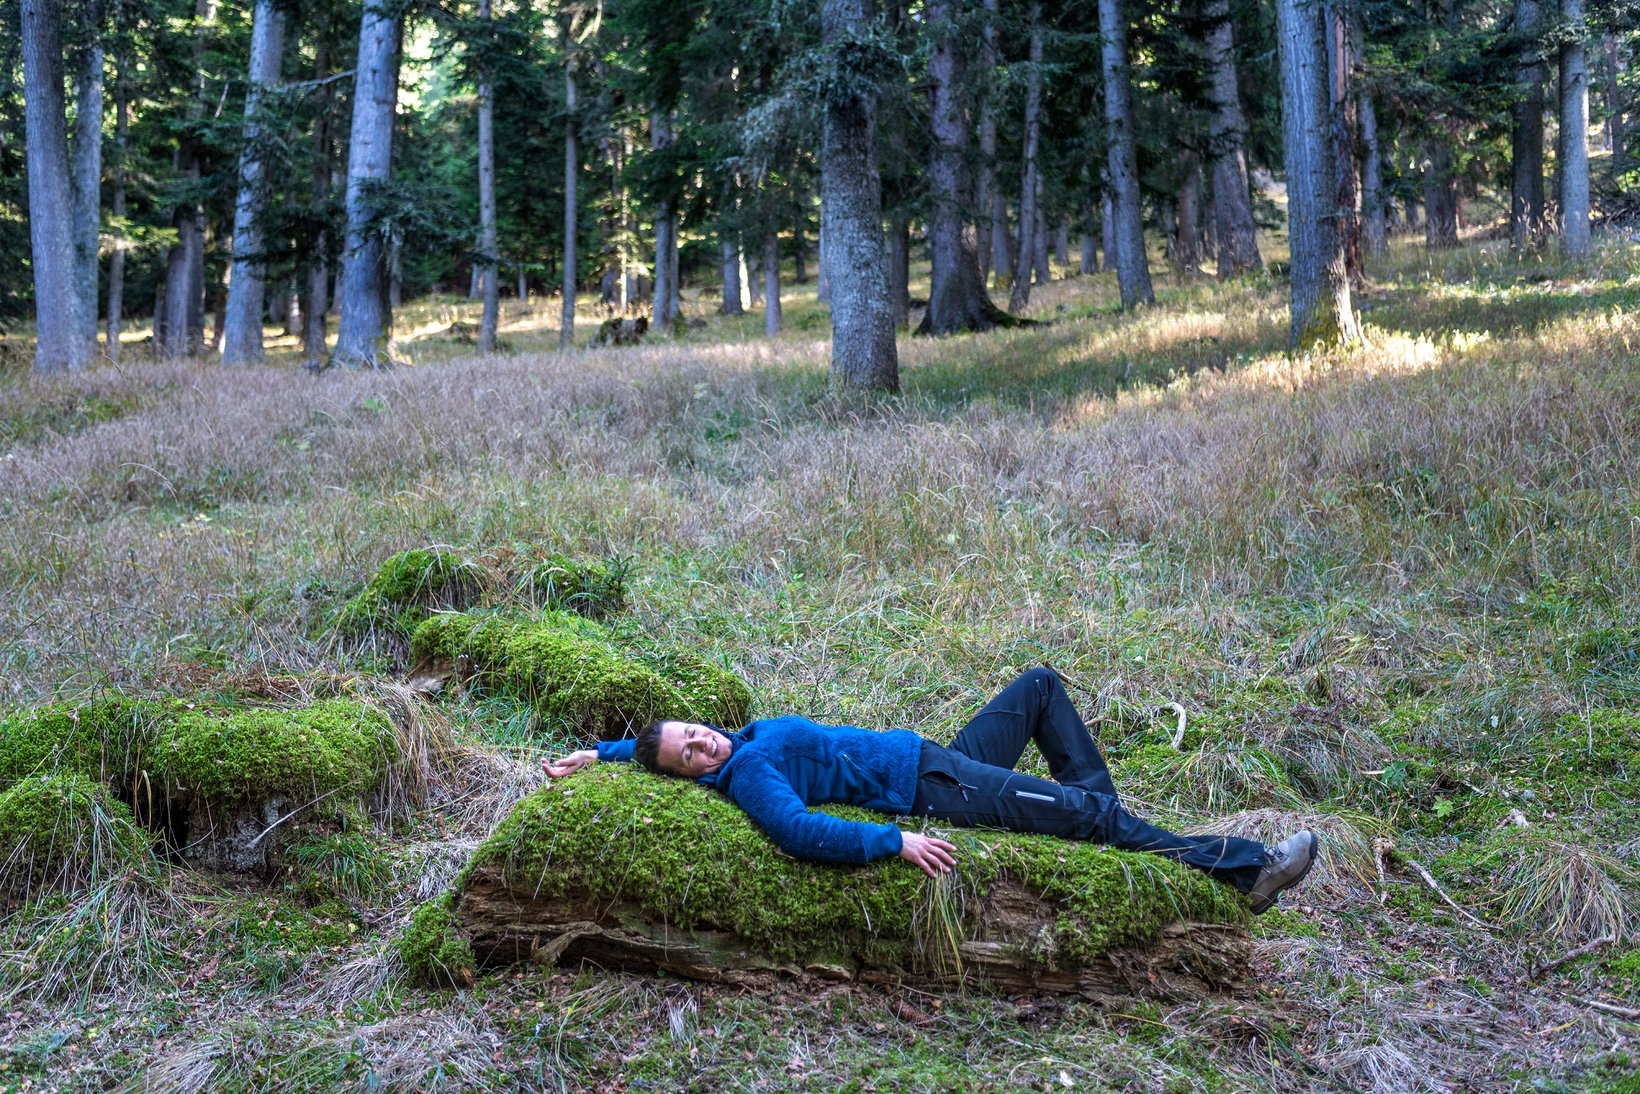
647	750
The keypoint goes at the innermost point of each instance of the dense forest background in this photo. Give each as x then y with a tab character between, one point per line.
338	159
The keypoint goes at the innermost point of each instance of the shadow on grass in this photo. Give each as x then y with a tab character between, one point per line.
1477	308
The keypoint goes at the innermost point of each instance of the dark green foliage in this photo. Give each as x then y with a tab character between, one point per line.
689	857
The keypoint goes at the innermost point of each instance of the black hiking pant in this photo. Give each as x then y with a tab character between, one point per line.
973	784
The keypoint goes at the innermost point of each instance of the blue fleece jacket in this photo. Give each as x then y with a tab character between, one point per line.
778	767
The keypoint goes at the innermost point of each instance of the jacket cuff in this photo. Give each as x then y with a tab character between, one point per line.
616	751
883	841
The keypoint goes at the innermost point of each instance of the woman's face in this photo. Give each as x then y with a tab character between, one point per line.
691	749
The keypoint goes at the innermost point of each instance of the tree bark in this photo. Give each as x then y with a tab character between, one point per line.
863	354
184	312
1526	202
572	167
1020	295
487	242
1187	253
1090	243
899	271
116	256
822	288
242	339
1062	243
771	283
729	260
1374	232
660	136
994	241
1440	195
1132	264
1227	138
743	277
1044	272
1320	282
1574	133
59	343
1341	80
366	324
316	301
957	300
87	182
1107	228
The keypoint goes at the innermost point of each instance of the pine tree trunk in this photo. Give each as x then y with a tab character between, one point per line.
185	272
729	260
743	277
985	184
116	257
1574	133
660	136
572	166
1020	296
316	302
1320	282
1374	232
242	339
1440	195
293	308
863	354
58	344
1187	253
899	271
1341	80
1237	251
1132	264
487	241
771	283
1107	228
1090	243
363	333
1044	272
1526	212
87	168
1062	243
957	300
822	290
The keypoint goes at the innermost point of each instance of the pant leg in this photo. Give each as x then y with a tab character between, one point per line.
1035	707
956	788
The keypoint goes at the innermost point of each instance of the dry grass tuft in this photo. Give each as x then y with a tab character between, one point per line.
1567	890
1346	870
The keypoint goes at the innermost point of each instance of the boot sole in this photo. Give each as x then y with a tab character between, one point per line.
1270	902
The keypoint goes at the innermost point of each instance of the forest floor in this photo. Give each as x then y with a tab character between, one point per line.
1394	587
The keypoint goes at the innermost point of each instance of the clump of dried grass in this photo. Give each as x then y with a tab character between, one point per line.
1346	869
1567	890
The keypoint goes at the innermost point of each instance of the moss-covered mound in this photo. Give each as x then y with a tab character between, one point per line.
413	584
433	951
675	866
61	831
579	680
213	777
104	739
334	747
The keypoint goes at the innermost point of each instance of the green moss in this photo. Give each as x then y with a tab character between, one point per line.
571	678
404	589
332	747
1593	747
105	739
434	953
691	858
596	590
63	830
715	694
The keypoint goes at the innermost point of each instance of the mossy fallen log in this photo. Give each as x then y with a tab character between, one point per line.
631	870
576	678
411	585
214	779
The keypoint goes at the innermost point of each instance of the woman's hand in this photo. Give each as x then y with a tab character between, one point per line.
933	855
570	764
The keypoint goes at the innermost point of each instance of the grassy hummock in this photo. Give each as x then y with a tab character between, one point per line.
61	831
103	739
403	591
690	858
578	680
